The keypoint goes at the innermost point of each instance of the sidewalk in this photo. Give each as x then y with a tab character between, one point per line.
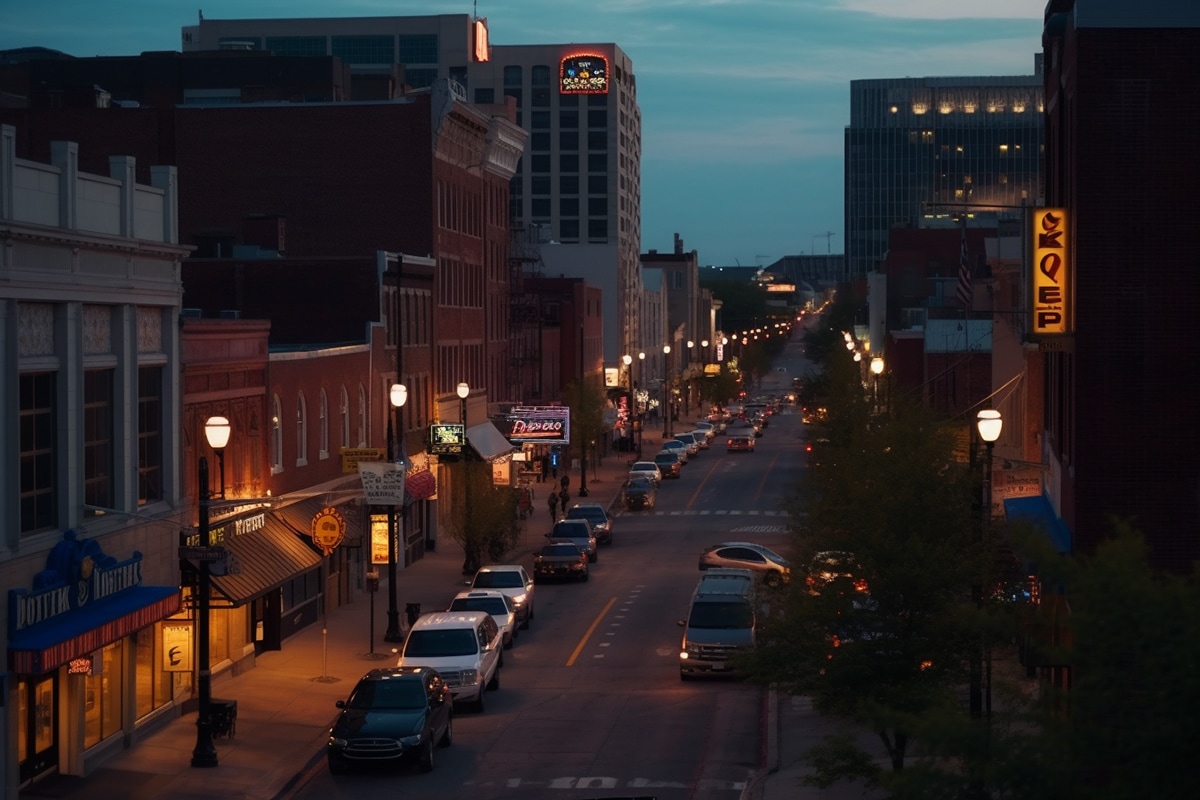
285	703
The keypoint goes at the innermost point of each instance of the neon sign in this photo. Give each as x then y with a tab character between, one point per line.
583	74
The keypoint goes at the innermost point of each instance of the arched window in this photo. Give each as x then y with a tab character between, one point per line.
324	423
276	435
362	416
301	431
345	412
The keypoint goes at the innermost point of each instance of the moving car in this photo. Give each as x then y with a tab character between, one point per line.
394	715
639	493
596	516
512	580
739	444
669	463
465	647
720	626
496	603
560	559
775	569
578	531
646	469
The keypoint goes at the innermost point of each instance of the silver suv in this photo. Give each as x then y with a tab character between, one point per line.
466	649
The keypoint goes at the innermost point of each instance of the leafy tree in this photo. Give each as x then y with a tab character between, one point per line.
484	516
719	388
587	404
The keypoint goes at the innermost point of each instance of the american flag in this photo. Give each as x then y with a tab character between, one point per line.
963	293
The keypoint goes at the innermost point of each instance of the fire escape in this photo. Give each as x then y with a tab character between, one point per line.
525	261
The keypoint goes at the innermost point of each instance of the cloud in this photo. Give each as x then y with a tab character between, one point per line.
943	10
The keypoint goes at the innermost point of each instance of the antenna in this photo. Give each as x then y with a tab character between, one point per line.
828	241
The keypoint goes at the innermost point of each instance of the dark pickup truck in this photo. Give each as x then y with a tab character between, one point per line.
560	559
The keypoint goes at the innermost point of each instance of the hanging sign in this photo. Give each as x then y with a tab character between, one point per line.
328	529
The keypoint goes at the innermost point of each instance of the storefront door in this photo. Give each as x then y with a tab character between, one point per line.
37	728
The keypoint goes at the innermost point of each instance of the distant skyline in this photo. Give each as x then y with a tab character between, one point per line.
744	102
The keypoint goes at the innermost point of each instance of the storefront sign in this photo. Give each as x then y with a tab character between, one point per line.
383	483
544	424
80	666
447	439
177	646
1051	279
379	538
328	529
352	455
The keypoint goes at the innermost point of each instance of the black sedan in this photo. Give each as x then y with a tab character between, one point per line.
669	464
394	715
639	493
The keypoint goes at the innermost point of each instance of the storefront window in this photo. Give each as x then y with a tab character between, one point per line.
103	698
153	684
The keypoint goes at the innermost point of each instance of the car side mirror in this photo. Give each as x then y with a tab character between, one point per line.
340	704
682	623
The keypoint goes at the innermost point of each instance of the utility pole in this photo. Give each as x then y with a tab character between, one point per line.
828	241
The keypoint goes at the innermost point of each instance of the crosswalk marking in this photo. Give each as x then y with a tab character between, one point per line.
698	512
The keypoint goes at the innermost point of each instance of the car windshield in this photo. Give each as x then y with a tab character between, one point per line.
492	605
773	556
721	615
434	643
498	580
570	531
590	514
388	694
668	459
560	550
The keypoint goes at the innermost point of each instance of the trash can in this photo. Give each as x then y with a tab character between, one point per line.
412	611
223	717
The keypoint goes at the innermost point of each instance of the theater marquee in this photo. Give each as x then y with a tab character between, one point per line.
583	74
1052	278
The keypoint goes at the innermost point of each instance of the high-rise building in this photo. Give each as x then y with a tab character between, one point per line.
579	183
920	148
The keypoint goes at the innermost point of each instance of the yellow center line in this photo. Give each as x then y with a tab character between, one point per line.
588	634
767	473
696	494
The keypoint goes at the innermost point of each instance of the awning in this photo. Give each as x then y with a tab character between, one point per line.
1038	512
264	560
53	644
488	441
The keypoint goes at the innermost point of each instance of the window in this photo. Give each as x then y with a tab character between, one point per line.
568	162
539	142
345	412
568	206
597	228
568	119
296	45
539	184
598	162
420	78
362	416
512	77
301	431
415	48
539	163
539	76
98	438
485	96
539	120
568	184
568	140
324	423
540	207
597	184
103	696
597	206
568	229
150	435
39	485
377	50
276	436
597	141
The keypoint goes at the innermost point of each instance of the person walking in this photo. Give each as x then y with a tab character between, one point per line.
553	503
564	497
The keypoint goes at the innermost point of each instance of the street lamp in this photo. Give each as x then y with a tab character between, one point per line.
216	431
666	393
469	565
627	360
989	423
876	371
397	396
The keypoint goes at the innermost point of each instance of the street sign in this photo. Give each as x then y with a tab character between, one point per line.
352	455
209	554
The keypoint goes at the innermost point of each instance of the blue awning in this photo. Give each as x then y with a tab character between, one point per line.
1038	512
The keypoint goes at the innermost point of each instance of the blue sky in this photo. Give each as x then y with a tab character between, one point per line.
744	102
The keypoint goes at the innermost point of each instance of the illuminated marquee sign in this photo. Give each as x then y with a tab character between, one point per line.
583	74
447	439
546	424
482	52
1051	280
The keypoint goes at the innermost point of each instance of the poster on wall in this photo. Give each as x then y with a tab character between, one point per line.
177	646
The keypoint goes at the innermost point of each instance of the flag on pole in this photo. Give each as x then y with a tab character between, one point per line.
963	293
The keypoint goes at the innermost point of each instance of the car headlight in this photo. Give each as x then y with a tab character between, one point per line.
470	676
411	741
519	600
337	742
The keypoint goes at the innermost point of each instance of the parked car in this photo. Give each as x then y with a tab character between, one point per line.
708	429
669	463
690	442
639	493
646	469
393	715
677	447
596	516
775	569
560	559
578	531
739	444
512	580
465	647
494	602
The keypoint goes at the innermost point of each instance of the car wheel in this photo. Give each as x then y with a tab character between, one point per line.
448	734
337	766
684	676
499	662
583	578
595	556
479	703
773	580
494	683
427	755
509	643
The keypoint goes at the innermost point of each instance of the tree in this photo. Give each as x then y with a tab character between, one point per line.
484	517
587	404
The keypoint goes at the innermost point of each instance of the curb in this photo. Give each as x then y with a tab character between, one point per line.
757	782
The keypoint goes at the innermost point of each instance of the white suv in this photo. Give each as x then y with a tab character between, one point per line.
466	648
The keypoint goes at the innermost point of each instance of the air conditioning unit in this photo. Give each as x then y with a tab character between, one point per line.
191	313
229	313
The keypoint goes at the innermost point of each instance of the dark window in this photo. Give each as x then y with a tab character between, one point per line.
459	76
597	120
568	228
150	435
540	207
597	228
539	120
419	48
539	163
539	184
568	140
39	485
569	101
597	141
568	184
597	162
97	437
541	98
597	184
568	162
420	78
539	141
539	76
485	96
374	50
514	93
568	119
296	45
512	77
597	206
568	206
597	101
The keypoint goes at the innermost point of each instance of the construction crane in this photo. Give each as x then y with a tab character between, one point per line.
828	241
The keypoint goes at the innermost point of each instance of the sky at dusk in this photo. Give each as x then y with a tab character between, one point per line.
744	102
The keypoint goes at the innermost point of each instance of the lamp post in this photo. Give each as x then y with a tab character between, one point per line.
640	410
989	423
876	371
469	565
216	431
666	393
397	397
627	360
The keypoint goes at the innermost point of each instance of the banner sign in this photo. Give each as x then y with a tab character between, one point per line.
1051	279
545	424
447	439
383	483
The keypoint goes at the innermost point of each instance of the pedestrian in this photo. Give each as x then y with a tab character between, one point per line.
553	503
564	497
